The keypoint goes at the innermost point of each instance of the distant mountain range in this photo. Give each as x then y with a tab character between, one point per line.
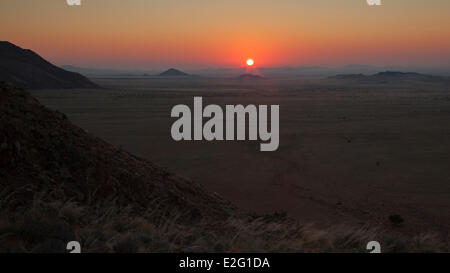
300	71
133	73
319	71
391	76
25	68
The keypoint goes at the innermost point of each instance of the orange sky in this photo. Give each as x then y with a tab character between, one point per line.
212	33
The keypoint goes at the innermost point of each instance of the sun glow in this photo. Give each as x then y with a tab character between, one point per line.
250	62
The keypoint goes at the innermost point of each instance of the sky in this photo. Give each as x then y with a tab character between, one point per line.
155	34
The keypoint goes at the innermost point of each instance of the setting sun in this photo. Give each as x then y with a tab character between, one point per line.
250	62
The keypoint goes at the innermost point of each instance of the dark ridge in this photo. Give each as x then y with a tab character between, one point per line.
391	77
41	148
397	74
348	76
25	68
172	72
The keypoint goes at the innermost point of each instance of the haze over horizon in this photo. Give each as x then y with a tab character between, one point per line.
198	34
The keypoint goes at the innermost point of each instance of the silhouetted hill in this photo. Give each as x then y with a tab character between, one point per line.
25	68
45	158
172	72
41	143
387	75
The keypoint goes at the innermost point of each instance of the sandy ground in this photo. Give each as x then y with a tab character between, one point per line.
348	153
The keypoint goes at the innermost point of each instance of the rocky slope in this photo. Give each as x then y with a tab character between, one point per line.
25	68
